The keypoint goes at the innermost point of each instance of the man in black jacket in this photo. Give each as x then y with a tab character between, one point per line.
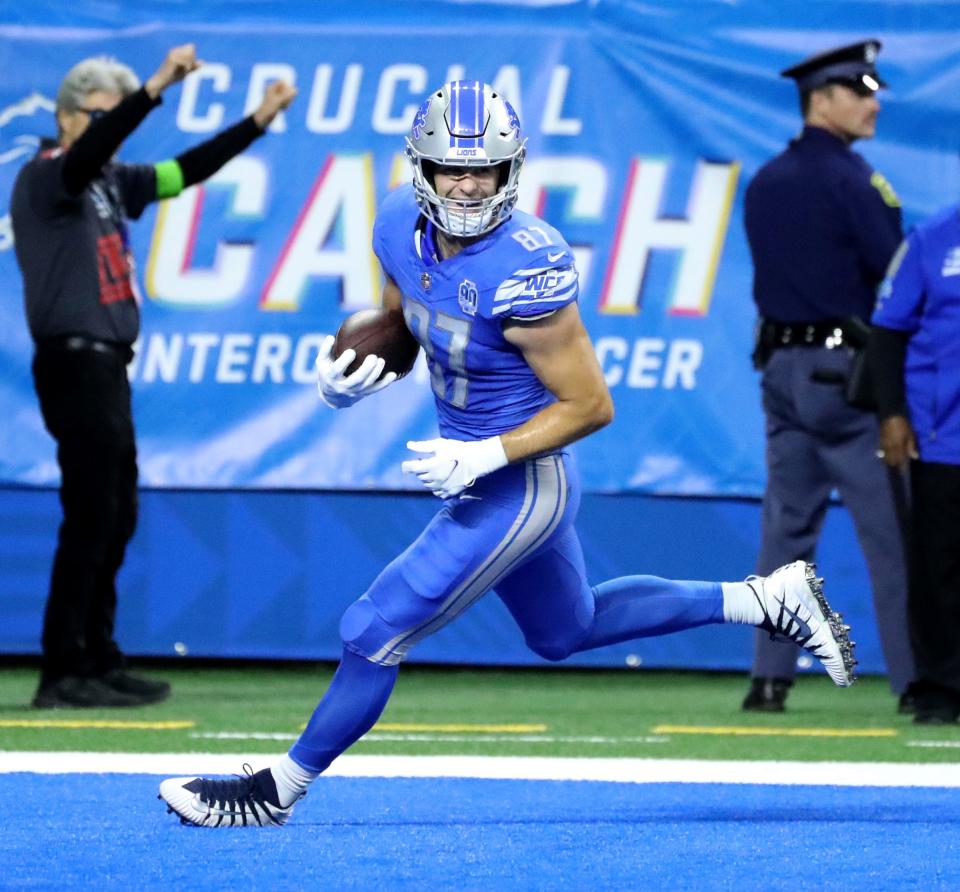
69	210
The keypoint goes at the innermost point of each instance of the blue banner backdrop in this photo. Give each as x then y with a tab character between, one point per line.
645	121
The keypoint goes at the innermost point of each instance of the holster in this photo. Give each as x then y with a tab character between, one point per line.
858	389
763	344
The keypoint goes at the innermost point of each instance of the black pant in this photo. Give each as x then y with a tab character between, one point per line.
935	572
85	400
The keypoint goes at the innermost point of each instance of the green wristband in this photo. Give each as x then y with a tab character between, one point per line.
169	179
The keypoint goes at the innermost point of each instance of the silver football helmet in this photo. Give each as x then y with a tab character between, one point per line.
466	124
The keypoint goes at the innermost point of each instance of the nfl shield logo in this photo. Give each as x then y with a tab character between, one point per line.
467	295
425	281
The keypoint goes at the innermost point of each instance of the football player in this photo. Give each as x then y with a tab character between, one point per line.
491	295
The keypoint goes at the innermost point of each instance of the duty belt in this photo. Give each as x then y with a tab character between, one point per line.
115	349
831	333
851	332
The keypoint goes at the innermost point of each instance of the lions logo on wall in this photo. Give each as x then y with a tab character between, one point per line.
20	126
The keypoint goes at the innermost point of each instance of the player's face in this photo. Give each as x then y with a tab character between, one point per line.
74	123
466	183
846	113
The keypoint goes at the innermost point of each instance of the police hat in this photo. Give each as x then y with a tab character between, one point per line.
852	66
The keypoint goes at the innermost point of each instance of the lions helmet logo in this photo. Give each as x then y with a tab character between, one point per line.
420	121
20	126
513	119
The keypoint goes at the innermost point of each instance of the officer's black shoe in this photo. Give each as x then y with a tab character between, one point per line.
907	704
767	695
146	690
79	692
936	705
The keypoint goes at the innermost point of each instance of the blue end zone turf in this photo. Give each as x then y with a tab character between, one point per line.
110	832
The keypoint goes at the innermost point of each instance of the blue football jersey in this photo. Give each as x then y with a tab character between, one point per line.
456	308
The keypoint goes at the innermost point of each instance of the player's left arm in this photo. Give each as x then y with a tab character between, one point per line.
558	350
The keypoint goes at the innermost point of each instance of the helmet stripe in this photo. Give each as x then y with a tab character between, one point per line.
467	114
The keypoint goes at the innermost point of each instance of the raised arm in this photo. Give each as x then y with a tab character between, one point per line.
204	160
104	135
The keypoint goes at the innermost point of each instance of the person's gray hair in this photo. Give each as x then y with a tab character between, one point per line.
99	73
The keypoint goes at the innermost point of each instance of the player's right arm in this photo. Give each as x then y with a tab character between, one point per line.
339	390
390	297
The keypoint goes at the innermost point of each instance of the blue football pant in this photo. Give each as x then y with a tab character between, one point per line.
513	532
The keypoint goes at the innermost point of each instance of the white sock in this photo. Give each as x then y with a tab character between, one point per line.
740	604
291	779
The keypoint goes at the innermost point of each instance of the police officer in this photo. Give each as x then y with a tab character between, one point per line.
70	209
822	227
915	359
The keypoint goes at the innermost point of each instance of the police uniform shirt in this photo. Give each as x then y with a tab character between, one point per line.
921	297
822	227
73	250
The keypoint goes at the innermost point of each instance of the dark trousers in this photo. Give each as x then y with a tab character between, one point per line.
935	572
85	401
817	442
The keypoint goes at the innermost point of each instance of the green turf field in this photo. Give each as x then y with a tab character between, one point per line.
556	712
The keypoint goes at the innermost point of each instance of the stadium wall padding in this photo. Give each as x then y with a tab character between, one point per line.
266	575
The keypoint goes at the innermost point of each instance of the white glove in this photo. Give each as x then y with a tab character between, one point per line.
338	390
453	465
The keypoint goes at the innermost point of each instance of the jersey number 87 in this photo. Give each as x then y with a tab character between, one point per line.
456	332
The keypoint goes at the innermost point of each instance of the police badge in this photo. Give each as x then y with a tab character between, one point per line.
425	281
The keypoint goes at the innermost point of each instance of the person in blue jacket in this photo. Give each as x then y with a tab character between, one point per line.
914	355
822	227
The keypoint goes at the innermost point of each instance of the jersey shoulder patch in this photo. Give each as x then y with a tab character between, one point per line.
536	291
541	277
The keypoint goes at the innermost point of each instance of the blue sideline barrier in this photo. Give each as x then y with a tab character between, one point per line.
267	574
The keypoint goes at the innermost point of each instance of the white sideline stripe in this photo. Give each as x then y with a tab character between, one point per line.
639	771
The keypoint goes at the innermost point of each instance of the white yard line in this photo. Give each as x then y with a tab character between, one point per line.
843	774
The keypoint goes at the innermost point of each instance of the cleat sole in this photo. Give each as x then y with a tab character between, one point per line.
838	629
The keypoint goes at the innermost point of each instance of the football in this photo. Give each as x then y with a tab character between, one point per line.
382	333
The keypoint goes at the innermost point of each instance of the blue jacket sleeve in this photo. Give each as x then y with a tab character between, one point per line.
901	296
